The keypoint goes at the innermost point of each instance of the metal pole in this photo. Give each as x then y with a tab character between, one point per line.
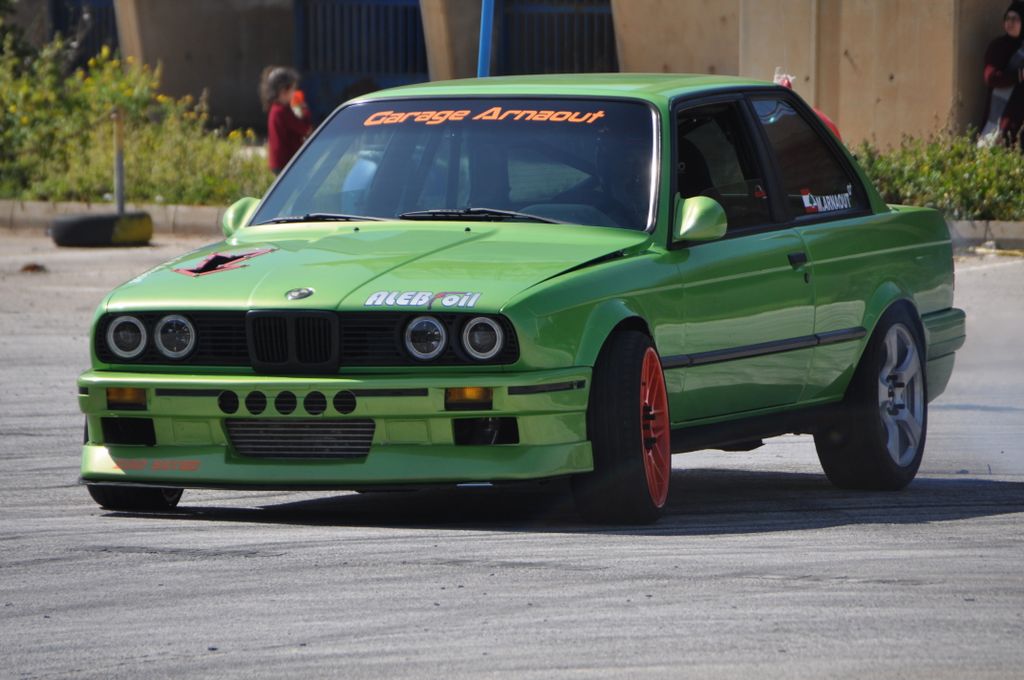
118	160
483	64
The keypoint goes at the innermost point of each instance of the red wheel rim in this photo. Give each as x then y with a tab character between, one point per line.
654	431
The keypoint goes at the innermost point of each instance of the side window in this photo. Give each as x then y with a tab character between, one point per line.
715	159
814	180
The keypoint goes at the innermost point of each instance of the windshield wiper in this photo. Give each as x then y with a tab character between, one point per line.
474	214
321	217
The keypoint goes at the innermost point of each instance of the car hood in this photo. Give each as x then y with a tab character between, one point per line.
383	265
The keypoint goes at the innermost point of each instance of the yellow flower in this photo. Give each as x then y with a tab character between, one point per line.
24	120
235	134
12	108
162	99
92	62
249	134
104	52
129	60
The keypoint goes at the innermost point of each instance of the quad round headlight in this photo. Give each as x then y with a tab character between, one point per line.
425	337
126	337
175	336
482	338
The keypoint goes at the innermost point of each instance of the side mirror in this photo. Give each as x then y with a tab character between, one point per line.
699	218
237	215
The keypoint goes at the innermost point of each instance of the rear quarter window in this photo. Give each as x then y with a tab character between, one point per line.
814	179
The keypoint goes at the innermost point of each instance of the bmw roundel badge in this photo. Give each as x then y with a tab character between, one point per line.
299	293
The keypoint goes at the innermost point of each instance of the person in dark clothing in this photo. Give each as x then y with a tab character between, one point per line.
1004	72
288	119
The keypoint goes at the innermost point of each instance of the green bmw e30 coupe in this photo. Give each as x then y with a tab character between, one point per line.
521	278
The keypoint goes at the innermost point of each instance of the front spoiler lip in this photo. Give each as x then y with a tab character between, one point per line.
391	465
409	486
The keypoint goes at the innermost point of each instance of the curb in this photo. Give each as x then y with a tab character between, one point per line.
191	220
967	233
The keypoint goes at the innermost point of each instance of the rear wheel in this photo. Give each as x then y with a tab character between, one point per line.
135	498
628	427
878	443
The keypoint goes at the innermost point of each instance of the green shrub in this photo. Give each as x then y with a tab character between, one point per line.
951	173
56	135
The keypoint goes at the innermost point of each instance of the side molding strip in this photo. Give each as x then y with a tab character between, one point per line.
762	349
846	335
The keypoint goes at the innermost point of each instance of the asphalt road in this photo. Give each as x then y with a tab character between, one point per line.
759	568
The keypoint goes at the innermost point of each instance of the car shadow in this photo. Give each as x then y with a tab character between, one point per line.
703	502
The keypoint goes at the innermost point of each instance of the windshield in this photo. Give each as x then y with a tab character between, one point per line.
572	160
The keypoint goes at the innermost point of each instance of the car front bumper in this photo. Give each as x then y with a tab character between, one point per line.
413	438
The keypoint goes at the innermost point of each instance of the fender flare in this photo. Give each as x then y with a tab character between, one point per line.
885	297
603	320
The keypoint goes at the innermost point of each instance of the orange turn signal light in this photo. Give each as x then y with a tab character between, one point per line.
126	398
468	398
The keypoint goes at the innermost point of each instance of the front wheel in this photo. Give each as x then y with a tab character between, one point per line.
628	427
878	443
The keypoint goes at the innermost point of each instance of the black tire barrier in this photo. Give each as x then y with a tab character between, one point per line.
92	231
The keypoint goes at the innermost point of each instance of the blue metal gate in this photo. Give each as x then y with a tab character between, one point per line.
345	48
93	19
557	36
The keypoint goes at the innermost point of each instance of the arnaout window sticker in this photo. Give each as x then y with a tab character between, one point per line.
827	203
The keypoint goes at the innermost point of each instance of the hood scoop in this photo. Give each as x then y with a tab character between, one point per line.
220	262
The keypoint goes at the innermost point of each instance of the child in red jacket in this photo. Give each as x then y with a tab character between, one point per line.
288	119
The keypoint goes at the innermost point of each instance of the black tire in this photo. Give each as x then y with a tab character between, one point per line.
134	498
878	441
620	489
90	231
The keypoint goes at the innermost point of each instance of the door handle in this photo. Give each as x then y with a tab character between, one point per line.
797	260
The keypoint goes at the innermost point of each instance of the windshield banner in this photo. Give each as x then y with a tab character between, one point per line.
490	114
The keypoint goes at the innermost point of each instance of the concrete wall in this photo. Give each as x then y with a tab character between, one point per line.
221	47
667	36
881	70
451	29
780	33
677	36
